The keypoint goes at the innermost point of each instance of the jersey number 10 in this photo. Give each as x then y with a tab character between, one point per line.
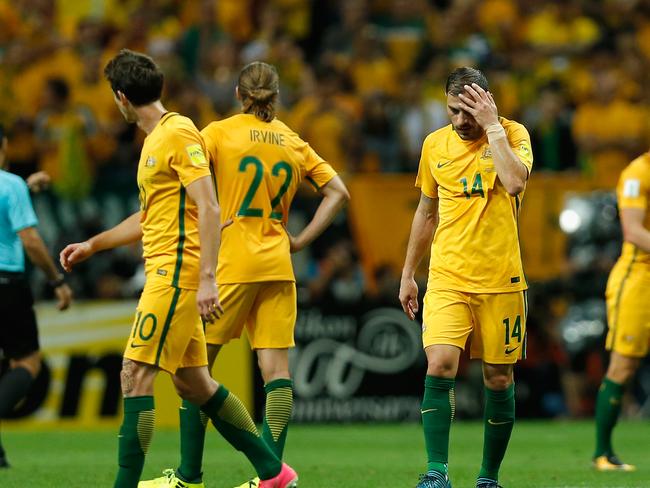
280	167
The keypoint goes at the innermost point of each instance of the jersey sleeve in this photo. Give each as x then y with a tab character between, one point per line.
519	140
633	187
189	159
318	172
425	180
21	212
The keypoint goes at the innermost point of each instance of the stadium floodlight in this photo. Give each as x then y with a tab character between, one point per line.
577	214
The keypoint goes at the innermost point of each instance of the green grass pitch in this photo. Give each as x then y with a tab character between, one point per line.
541	455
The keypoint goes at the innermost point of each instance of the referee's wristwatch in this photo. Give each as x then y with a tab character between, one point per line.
58	281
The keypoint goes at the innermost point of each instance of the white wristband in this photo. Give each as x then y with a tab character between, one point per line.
495	132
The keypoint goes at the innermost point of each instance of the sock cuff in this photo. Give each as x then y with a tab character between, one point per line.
500	395
439	383
19	370
217	400
616	388
187	405
138	404
279	383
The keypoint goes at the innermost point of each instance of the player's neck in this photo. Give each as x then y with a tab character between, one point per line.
150	115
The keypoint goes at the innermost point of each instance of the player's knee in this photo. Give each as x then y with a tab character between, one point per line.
498	382
441	367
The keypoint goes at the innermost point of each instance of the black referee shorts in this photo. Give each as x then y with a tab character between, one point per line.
18	332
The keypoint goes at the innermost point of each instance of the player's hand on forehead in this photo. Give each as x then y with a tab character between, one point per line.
480	104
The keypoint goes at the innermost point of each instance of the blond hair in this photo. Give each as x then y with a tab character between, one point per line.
258	87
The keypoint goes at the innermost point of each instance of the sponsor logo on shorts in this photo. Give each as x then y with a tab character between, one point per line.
161	272
442	164
510	351
134	345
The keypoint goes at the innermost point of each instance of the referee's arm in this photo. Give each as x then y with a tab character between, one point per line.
39	255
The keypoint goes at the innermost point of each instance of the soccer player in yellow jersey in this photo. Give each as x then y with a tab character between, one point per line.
472	176
258	164
179	226
628	314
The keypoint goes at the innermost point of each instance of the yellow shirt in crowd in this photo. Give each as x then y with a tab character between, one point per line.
476	244
258	168
632	192
173	156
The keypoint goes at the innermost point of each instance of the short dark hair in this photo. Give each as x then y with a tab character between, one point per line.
136	75
465	76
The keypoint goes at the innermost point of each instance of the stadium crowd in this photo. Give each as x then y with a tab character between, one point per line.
361	80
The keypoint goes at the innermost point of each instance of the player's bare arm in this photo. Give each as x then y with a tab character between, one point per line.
480	104
126	232
335	197
633	230
40	256
202	193
423	228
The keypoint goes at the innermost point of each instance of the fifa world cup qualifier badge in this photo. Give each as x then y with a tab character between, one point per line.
195	152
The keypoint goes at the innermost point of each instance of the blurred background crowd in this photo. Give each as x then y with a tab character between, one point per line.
363	82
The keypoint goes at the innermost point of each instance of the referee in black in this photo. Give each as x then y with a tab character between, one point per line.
18	333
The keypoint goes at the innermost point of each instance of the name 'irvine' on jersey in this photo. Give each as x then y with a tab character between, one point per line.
476	244
258	167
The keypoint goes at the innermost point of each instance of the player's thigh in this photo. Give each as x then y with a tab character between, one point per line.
628	314
273	317
500	332
18	330
446	318
166	323
237	301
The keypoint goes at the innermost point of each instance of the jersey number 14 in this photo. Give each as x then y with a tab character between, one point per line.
477	186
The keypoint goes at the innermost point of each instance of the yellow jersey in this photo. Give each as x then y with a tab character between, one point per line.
173	156
633	191
258	167
476	245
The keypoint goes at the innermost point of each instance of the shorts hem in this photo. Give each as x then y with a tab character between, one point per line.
441	342
496	360
254	347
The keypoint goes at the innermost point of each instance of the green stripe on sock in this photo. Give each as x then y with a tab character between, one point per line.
498	420
134	439
438	408
608	409
193	422
234	423
279	406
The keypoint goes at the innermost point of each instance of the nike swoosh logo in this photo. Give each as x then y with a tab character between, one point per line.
442	165
508	350
133	344
492	422
429	410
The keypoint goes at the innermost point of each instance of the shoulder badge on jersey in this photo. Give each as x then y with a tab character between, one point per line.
631	188
524	148
195	152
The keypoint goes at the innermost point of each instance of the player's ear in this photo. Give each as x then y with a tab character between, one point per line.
122	98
